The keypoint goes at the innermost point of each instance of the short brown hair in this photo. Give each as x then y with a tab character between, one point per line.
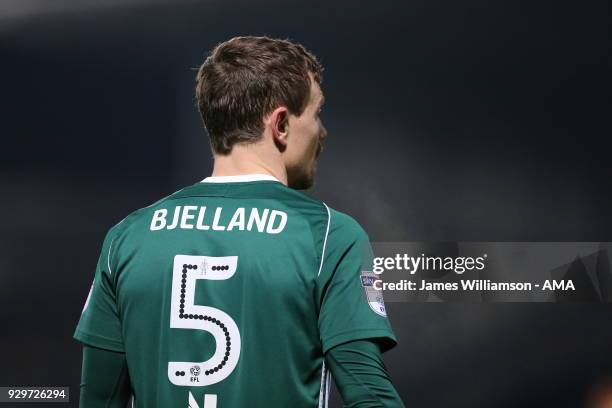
244	79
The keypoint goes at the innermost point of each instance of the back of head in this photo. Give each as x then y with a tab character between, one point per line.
246	78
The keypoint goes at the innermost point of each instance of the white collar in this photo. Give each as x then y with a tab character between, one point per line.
240	178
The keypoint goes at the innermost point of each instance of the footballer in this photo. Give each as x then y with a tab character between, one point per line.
240	291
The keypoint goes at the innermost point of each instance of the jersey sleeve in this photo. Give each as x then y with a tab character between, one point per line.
361	376
100	325
350	307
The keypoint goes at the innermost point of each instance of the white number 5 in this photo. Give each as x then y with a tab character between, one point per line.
184	314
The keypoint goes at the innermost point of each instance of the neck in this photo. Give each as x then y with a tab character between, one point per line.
247	160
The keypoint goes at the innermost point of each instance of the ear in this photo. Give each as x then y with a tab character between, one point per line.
278	122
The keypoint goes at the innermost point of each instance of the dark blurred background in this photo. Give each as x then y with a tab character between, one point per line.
448	121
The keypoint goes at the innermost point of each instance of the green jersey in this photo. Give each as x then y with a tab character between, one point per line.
228	293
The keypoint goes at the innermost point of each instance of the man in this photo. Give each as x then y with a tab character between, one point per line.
239	291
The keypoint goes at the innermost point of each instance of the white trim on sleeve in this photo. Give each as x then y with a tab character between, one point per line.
325	241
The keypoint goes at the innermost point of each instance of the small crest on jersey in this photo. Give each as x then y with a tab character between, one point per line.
373	296
195	370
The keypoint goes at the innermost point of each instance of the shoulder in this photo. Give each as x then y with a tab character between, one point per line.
327	220
299	201
344	228
339	222
323	218
308	210
346	243
137	218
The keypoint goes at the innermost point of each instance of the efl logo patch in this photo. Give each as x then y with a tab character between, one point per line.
373	296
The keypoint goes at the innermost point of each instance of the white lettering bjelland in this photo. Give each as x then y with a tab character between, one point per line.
194	217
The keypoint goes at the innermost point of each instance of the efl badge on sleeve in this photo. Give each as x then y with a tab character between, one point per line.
370	281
